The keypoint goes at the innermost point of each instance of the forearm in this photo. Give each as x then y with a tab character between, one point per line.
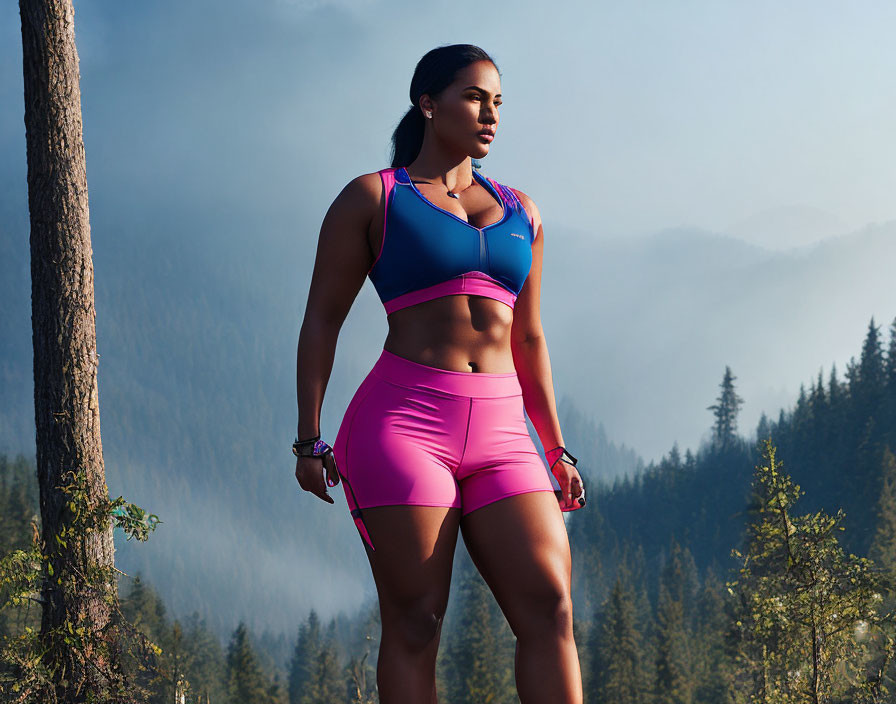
533	368
314	362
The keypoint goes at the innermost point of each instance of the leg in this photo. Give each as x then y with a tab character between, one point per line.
412	570
520	546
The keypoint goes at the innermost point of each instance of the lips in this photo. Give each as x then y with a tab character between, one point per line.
487	135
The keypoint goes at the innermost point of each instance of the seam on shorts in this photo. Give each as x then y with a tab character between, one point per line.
460	462
356	513
351	424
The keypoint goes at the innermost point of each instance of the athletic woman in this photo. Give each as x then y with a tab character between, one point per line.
434	439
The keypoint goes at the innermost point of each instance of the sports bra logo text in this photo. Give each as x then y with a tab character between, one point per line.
513	234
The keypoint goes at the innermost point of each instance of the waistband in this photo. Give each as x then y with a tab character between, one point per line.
413	375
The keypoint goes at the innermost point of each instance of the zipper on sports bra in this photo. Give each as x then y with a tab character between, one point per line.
483	252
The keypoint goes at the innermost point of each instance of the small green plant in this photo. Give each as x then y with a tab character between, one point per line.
25	677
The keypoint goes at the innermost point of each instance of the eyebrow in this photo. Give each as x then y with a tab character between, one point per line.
482	90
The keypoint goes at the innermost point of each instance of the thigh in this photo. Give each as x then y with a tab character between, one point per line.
413	560
520	546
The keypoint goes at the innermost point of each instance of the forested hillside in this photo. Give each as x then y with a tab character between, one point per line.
652	553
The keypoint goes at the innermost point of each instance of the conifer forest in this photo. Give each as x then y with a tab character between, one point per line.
763	574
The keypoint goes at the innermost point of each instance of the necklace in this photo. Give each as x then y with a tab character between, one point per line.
451	194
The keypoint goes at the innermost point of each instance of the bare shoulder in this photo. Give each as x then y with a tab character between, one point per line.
361	195
530	207
526	200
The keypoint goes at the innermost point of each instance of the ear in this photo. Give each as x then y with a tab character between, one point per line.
427	104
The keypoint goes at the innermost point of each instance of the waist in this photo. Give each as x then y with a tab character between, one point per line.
414	375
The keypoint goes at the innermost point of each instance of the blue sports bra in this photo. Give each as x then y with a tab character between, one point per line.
428	252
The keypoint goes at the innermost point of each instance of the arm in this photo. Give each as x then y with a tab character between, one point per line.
341	264
530	349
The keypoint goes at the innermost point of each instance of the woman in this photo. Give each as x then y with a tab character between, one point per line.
434	439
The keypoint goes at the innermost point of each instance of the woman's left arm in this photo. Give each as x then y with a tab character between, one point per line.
530	354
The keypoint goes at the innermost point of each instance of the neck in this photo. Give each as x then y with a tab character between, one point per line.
455	172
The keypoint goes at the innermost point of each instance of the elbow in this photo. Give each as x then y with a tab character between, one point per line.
526	337
318	325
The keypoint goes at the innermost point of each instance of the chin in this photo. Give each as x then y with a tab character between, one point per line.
480	151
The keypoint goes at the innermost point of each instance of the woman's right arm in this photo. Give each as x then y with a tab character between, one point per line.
341	264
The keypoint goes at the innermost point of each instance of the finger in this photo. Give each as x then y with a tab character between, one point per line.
320	485
567	493
578	499
331	470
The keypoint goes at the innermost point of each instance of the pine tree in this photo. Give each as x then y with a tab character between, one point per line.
79	593
883	546
361	668
144	609
803	602
617	673
673	666
872	374
712	665
725	412
245	682
206	670
890	390
763	428
478	656
304	659
674	669
326	683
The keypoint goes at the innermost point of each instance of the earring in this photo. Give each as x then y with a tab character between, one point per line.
428	114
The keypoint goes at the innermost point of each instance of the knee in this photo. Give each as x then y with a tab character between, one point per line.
416	625
546	615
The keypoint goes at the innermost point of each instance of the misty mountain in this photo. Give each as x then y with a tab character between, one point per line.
198	319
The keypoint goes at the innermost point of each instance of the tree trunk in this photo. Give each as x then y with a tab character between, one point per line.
65	358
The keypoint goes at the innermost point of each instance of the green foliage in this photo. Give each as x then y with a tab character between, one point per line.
245	681
619	671
808	621
25	676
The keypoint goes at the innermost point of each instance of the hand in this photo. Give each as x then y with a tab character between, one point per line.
572	487
310	472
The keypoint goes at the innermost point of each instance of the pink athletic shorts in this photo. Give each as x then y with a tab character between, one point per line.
419	435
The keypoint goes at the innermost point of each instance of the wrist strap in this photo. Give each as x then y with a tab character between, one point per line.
559	453
314	447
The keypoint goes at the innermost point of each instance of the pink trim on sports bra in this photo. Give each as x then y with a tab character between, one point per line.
472	282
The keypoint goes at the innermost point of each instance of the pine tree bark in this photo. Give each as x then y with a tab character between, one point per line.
66	402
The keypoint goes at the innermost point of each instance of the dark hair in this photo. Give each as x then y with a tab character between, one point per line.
435	71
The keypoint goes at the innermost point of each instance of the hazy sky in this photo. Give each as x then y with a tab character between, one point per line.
618	117
769	121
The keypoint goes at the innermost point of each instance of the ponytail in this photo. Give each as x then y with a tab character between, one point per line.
408	137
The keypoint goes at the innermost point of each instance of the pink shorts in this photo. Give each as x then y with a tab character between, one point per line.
419	435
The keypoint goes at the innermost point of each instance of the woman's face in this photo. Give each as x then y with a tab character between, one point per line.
465	114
